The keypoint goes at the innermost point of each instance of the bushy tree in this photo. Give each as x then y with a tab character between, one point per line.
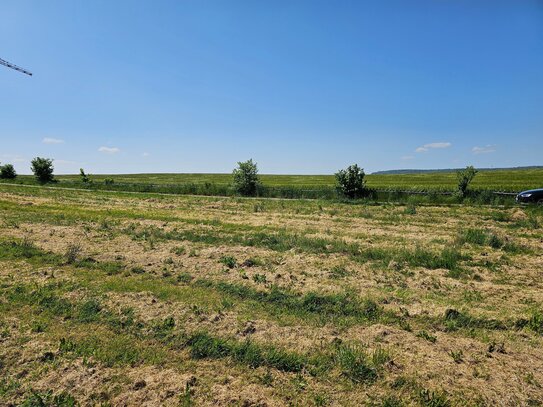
84	177
7	172
43	169
465	177
246	181
350	181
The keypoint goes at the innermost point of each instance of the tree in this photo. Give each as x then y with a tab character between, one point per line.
246	181
465	177
43	169
350	181
84	177
7	172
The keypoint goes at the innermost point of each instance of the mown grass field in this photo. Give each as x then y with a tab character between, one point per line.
506	180
115	299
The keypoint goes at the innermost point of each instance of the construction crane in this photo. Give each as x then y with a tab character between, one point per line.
12	66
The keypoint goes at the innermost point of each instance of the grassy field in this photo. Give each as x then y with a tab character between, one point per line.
507	180
114	299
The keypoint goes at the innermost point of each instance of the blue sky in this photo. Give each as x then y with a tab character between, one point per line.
299	86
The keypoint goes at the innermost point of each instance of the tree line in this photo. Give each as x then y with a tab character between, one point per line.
350	182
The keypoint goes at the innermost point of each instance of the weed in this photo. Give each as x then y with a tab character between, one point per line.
496	347
48	399
535	322
266	379
137	270
410	209
354	364
337	272
311	302
178	250
203	345
457	356
163	329
184	278
425	335
185	399
455	319
228	261
320	400
482	237
428	398
259	278
392	402
252	262
89	310
72	253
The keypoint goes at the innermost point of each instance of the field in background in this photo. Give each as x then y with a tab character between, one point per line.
506	181
116	299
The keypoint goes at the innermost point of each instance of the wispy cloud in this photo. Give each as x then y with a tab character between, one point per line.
430	146
12	158
483	150
408	157
146	154
50	140
65	162
109	150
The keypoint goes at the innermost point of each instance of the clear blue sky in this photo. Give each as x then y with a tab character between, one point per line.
299	86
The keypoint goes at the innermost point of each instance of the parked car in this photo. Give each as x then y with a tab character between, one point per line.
531	196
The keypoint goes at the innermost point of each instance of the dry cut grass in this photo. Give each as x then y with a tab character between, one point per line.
108	299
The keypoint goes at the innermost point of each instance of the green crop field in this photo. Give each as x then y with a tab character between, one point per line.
499	180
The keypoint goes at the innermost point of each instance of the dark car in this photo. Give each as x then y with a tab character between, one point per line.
531	196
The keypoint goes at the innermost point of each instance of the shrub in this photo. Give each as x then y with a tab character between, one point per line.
465	177
7	172
246	181
43	169
108	181
84	177
350	182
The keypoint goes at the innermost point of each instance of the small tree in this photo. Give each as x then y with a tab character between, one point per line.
84	177
465	177
7	171
43	169
350	181
246	181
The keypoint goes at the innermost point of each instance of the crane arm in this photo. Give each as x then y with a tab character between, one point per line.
12	66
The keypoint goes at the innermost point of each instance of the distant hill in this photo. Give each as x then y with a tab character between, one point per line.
413	171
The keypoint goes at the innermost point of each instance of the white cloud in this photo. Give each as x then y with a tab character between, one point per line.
50	140
407	157
483	150
109	150
429	146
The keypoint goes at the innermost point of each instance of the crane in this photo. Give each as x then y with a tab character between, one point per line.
12	66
